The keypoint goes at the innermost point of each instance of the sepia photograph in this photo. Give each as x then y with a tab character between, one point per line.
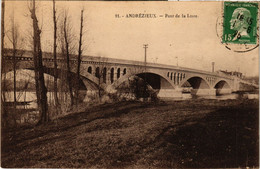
119	84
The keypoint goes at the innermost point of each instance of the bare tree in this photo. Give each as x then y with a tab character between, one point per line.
79	56
13	38
41	91
55	54
63	76
3	99
67	40
2	28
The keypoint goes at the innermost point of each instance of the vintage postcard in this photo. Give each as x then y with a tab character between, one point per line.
119	84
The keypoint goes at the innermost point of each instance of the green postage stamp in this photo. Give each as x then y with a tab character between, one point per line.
240	22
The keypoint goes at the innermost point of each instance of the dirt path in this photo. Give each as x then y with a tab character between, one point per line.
195	133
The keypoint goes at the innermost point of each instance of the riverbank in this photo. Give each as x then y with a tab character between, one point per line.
166	134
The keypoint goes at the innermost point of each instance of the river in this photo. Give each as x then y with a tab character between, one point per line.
31	96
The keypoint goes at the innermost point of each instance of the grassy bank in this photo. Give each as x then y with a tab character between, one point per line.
190	133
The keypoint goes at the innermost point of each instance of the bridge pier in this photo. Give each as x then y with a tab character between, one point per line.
203	92
115	75
121	74
223	91
170	93
110	78
107	78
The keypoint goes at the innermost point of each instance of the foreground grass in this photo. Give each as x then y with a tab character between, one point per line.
191	133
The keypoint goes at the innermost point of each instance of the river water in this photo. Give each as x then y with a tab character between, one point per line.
31	96
232	96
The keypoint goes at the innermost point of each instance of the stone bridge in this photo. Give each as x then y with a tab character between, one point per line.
109	74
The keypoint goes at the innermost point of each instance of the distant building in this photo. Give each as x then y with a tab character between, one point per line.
231	73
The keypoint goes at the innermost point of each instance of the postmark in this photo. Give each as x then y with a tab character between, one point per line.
240	22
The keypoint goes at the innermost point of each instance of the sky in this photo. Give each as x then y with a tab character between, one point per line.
188	42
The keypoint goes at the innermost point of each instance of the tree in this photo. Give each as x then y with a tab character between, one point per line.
2	28
63	76
3	99
67	40
79	56
55	54
41	91
13	38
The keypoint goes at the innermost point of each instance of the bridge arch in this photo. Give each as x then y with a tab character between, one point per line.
84	75
222	83
49	72
196	82
155	80
152	79
222	87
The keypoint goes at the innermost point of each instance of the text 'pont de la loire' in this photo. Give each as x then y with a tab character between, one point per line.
152	15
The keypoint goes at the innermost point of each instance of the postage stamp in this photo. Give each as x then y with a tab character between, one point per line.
240	22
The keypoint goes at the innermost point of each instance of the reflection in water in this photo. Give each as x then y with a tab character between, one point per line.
31	96
187	96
